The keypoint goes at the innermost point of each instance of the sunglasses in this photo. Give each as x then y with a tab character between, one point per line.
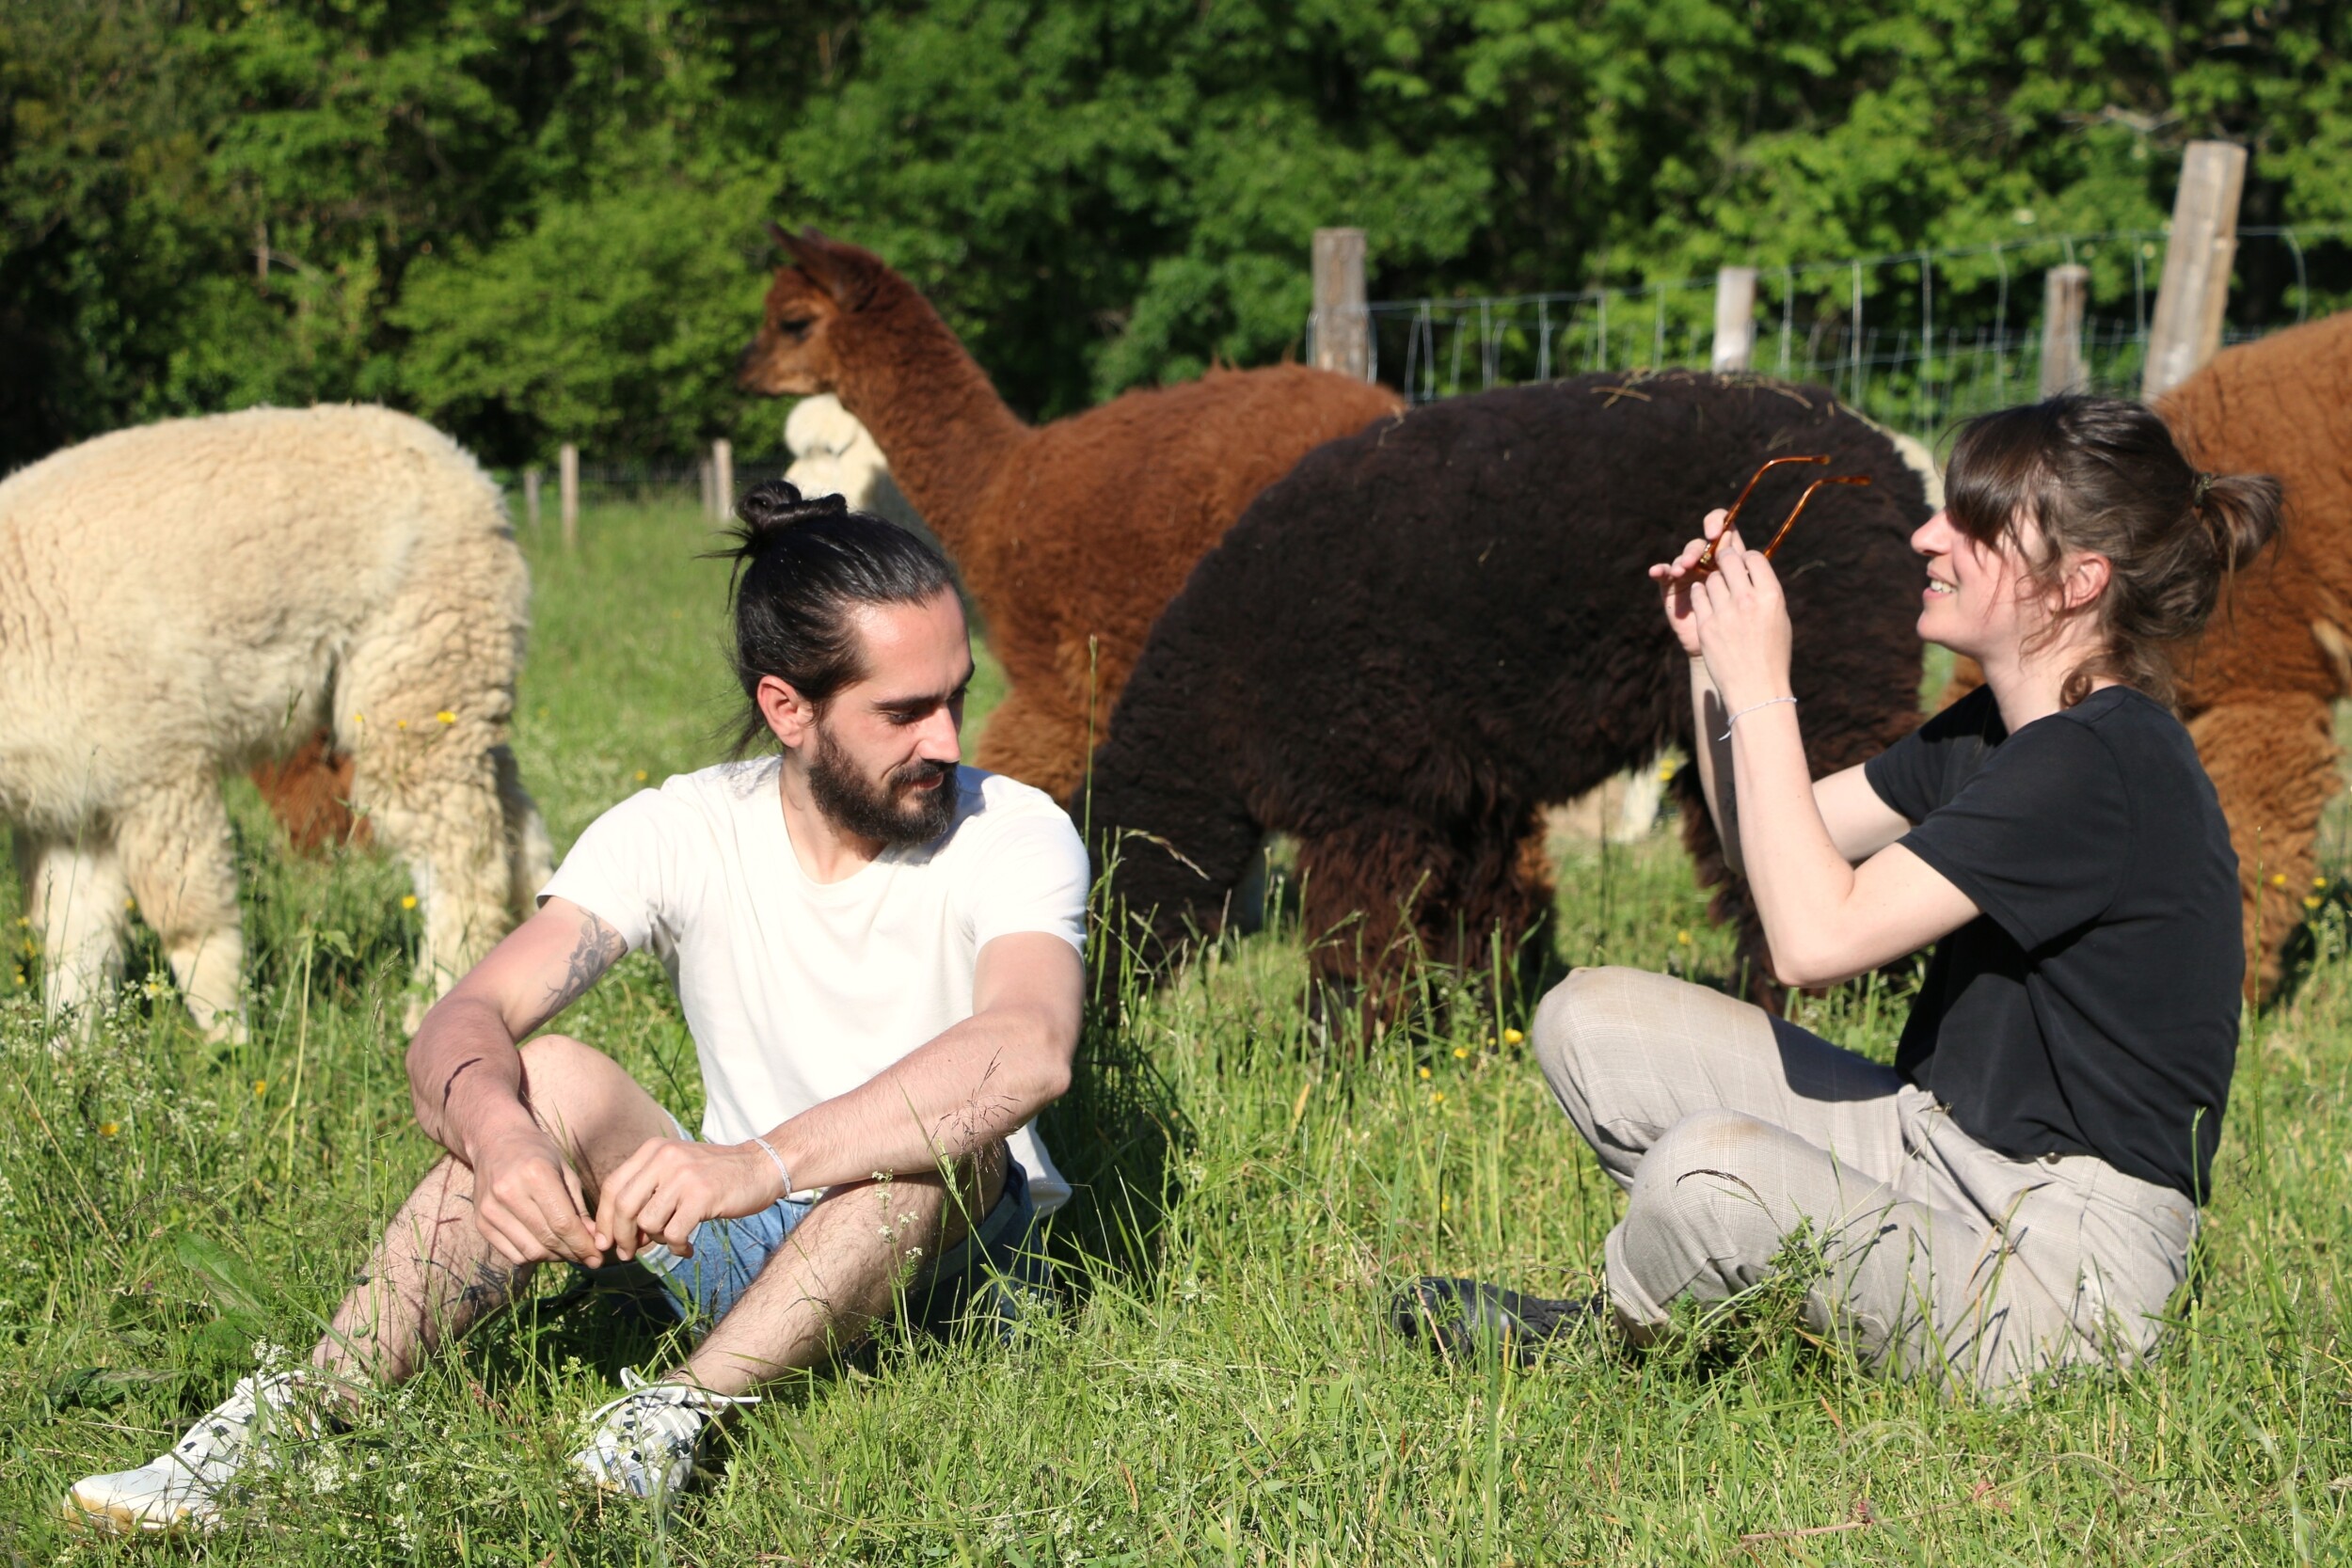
1705	562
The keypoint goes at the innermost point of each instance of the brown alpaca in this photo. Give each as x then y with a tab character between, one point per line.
1071	536
2257	689
309	793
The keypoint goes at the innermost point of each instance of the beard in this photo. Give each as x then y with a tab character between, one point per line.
891	810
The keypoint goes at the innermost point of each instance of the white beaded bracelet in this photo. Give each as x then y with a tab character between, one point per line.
782	1175
1751	708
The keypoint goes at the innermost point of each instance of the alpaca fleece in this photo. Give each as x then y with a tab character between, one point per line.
1071	535
180	601
1427	630
2257	689
835	456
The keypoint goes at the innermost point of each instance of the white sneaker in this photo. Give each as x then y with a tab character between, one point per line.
184	1488
644	1443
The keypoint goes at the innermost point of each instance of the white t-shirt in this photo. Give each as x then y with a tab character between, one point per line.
797	991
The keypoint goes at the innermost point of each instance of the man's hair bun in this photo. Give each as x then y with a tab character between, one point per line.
778	504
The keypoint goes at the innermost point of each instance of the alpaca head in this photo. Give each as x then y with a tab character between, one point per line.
797	349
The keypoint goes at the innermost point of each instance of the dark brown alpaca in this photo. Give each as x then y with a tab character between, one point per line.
1071	536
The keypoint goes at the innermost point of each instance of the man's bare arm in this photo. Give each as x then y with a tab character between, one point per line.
463	1066
466	1078
952	1097
964	1091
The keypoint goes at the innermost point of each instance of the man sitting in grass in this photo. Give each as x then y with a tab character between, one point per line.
877	952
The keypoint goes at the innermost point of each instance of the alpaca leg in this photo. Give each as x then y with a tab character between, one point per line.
1386	894
530	853
2273	762
1038	741
436	803
75	898
183	866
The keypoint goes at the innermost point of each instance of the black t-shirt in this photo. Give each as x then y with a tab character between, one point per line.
2092	1006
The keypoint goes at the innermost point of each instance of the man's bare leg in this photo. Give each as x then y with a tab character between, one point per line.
834	1276
435	1274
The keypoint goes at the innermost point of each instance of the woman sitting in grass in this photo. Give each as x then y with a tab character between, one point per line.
2019	1192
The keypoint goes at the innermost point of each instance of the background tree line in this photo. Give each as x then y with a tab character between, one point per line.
539	220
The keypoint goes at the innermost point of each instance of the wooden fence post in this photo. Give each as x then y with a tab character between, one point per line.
721	480
2197	259
531	498
2065	292
567	494
1341	327
1735	318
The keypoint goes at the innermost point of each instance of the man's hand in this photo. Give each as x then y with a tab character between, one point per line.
671	1186
529	1203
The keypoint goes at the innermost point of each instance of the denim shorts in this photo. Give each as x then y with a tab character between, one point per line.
996	1273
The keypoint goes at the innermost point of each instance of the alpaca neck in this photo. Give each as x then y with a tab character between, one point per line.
931	410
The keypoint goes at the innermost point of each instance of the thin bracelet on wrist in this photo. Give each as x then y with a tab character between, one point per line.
782	1175
1768	702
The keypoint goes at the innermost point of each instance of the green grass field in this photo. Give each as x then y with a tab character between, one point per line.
1222	1388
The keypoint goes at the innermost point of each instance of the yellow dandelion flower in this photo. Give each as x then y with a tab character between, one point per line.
640	775
1424	1072
1682	938
1665	772
2319	881
22	921
446	717
2278	880
20	977
260	1085
108	1129
2309	902
407	900
1512	1036
1461	1052
1437	1099
400	724
359	718
129	903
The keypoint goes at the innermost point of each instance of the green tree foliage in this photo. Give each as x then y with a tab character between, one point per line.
539	219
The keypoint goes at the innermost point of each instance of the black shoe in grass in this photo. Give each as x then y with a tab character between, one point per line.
1463	1318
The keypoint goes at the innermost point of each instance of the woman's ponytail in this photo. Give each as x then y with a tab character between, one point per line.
2240	512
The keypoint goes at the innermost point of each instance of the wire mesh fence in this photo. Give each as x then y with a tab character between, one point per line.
1915	341
632	485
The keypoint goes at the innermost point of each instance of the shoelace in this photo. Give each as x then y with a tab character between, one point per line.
201	1453
646	1401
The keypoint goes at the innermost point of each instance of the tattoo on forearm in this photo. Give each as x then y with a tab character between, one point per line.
599	948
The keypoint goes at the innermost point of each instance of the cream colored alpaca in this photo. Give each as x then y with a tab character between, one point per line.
181	600
832	454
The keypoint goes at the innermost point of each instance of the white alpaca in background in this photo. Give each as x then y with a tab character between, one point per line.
832	454
181	600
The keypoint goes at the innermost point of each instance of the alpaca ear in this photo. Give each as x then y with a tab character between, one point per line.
843	270
784	241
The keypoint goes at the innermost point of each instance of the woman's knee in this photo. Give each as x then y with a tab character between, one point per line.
1709	1172
1588	1014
